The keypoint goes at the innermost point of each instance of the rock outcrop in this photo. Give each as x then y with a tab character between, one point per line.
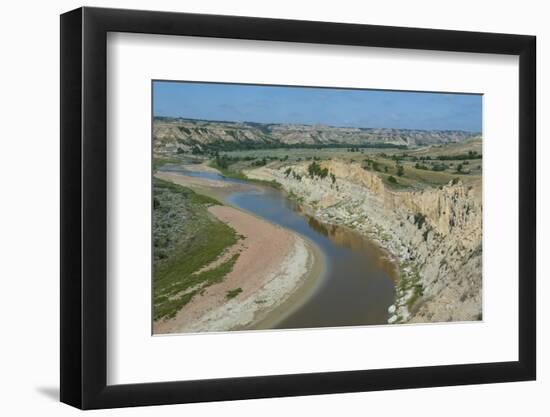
435	234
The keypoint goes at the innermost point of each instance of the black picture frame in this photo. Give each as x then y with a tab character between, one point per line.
84	207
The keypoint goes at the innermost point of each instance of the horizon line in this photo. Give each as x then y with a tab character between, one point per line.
316	124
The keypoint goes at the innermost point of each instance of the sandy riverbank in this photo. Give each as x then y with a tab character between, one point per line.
275	268
203	167
192	182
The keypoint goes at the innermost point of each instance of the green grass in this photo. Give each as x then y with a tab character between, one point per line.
171	296
229	173
158	162
383	163
233	293
294	197
411	282
272	183
226	172
190	195
398	183
202	240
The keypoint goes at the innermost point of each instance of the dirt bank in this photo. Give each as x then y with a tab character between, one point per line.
273	265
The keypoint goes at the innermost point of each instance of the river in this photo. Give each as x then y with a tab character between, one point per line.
357	286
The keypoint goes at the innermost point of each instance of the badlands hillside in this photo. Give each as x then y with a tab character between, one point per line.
174	135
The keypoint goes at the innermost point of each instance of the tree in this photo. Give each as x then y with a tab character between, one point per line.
222	161
315	170
400	170
392	179
260	163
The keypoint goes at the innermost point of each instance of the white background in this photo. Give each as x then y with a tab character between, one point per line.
29	219
133	60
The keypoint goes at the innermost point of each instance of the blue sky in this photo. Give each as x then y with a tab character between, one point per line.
327	106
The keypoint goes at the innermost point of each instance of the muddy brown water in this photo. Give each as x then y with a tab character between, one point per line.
357	286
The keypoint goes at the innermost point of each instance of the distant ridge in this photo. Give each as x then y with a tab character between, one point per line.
172	134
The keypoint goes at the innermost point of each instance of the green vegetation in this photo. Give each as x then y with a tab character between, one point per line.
409	283
271	144
227	172
233	293
223	165
294	197
430	166
460	157
222	162
439	167
272	183
418	290
260	163
400	170
186	239
419	220
315	170
158	162
392	179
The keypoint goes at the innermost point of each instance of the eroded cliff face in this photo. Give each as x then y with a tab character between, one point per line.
435	234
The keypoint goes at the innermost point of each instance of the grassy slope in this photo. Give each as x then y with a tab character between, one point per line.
413	178
198	239
229	173
157	162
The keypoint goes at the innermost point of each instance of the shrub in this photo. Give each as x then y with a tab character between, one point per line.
400	170
315	170
419	220
233	293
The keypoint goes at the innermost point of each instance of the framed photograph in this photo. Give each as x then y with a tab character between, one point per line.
257	208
